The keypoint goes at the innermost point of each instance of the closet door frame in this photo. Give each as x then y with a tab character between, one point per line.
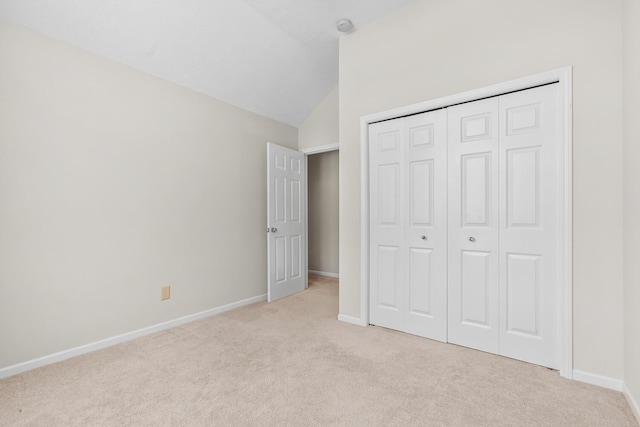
562	77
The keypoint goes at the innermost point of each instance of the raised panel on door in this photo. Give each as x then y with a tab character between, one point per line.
473	279
387	271
295	199
296	256
280	255
421	282
421	193
522	294
530	214
280	200
476	185
425	261
476	281
388	195
523	187
296	209
386	223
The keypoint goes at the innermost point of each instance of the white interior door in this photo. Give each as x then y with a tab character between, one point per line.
286	224
408	224
529	225
473	225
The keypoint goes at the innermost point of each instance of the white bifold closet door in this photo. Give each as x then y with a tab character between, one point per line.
530	217
503	225
408	218
473	225
464	224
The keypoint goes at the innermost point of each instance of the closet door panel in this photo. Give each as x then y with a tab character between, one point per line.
426	224
387	272
421	283
529	182
476	182
421	193
386	275
473	225
475	288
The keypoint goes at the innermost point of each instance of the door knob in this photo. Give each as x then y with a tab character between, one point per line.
424	237
273	230
472	239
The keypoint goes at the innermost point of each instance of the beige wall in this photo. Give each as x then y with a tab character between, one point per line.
322	175
321	127
112	184
631	113
434	48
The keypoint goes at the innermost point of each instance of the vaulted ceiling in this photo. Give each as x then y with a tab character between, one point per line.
278	58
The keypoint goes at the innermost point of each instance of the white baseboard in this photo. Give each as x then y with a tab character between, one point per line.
610	383
350	319
324	273
635	408
599	380
107	342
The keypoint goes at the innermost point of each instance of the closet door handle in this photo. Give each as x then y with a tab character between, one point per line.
424	237
472	239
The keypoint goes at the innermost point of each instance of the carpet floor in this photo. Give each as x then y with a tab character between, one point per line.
291	363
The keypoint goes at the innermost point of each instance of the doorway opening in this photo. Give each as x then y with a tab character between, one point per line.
322	205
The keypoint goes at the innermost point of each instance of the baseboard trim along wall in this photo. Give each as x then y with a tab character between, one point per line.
635	408
599	380
108	342
324	273
350	319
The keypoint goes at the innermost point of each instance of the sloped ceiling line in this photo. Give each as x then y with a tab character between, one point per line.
277	58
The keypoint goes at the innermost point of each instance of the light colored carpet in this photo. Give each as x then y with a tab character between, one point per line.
292	363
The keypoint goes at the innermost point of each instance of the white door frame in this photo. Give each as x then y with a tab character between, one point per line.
562	76
307	152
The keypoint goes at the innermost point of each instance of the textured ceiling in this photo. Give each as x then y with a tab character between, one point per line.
278	58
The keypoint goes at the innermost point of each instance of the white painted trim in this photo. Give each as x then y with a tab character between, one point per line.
566	261
599	380
564	78
472	95
635	408
324	273
364	220
351	319
611	384
306	221
108	342
320	149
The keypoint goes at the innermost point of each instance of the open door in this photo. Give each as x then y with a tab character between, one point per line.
286	221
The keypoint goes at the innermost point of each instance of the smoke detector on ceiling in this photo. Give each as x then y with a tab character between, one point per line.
344	26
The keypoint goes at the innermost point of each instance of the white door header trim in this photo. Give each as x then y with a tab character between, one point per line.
321	149
472	95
